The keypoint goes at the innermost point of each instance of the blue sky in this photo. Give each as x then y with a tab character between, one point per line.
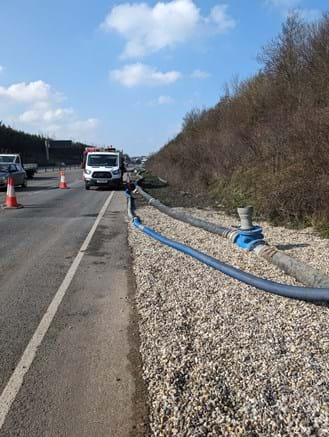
126	73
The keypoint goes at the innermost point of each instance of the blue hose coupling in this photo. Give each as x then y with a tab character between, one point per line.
249	239
137	223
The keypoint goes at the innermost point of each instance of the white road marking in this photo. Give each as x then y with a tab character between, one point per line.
16	380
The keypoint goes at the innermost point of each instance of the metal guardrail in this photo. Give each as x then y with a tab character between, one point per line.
58	168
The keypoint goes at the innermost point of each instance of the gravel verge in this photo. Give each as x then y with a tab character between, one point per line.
220	357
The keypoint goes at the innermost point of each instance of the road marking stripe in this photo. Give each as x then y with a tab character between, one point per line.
16	380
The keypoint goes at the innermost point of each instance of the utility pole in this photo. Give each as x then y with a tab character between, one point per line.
47	146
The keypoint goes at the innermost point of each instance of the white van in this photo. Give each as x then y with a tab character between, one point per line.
103	169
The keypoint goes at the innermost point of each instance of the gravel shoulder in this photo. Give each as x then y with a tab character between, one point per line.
220	357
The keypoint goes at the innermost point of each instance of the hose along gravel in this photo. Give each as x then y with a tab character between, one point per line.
299	270
210	227
302	293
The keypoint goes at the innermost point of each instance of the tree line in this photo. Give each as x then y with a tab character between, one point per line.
266	141
31	147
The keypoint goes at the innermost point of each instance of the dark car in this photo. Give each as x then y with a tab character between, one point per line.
19	175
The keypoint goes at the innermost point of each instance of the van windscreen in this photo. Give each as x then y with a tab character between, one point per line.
7	158
102	160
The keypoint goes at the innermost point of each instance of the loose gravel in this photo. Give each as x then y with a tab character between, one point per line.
220	357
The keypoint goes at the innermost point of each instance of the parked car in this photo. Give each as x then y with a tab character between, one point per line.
16	172
15	158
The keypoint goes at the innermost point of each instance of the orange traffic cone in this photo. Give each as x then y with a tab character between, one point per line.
62	183
11	201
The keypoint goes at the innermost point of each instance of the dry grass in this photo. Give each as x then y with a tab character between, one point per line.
267	141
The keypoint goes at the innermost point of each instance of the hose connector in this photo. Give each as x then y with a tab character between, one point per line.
248	236
137	223
245	215
248	240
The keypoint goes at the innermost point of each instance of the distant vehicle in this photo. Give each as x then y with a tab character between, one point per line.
18	174
103	167
15	158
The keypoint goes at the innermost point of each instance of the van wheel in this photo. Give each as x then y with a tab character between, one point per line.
24	184
87	187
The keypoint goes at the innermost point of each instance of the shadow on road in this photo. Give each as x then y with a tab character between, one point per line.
35	188
25	206
45	178
121	188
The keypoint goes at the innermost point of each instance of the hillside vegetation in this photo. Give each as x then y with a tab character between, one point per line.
32	147
266	142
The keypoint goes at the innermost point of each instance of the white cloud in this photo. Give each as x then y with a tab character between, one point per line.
1	68
49	116
165	100
221	19
149	29
162	100
83	125
30	92
310	14
140	74
79	130
200	74
57	114
34	107
286	6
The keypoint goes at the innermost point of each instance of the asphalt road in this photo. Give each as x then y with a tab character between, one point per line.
84	379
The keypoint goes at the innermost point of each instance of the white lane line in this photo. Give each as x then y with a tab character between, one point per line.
16	380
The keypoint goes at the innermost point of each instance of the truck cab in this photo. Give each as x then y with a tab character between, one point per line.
102	168
11	158
15	158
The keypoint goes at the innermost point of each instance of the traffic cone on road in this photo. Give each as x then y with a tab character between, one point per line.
11	201
63	183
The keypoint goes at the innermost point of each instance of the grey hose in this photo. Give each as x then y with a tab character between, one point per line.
302	293
130	208
210	227
304	273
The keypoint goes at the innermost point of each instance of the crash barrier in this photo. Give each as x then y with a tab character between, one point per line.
11	201
58	168
251	239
